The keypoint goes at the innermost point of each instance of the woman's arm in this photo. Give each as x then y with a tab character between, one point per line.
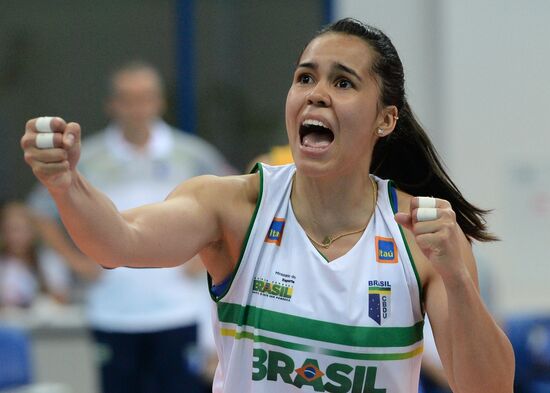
476	354
161	234
156	235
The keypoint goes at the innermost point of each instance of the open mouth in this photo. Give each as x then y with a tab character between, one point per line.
315	134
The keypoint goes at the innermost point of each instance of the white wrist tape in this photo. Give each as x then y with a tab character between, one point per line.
426	214
426	202
43	124
45	140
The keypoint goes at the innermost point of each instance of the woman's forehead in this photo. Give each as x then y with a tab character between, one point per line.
339	47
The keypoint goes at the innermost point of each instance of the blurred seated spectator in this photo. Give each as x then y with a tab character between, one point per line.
27	268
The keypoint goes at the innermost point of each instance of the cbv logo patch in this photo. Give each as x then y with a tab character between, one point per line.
386	250
379	301
275	233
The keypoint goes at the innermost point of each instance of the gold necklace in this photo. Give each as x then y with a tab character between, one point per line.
328	240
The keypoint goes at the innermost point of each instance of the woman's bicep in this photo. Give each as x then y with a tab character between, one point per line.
173	231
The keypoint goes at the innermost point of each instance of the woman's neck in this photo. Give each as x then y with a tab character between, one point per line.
326	207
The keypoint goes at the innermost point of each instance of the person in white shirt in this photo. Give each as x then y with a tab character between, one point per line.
145	321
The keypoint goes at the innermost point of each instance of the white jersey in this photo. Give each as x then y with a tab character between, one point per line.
291	321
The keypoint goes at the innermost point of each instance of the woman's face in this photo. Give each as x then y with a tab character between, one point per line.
332	110
16	230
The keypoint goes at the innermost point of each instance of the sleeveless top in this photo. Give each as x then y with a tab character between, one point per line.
290	321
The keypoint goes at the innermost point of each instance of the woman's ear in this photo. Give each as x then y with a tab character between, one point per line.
387	120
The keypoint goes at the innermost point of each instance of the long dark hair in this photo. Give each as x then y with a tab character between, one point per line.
407	156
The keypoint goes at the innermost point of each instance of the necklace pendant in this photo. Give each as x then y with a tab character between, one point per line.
327	241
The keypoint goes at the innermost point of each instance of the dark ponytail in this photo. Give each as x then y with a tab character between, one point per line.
407	156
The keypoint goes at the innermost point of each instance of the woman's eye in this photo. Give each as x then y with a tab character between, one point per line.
344	84
305	79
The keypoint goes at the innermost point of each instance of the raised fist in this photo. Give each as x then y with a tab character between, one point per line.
52	149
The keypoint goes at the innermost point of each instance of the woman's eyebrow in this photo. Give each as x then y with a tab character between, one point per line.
307	65
341	67
336	66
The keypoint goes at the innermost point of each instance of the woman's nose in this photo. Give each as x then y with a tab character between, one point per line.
319	96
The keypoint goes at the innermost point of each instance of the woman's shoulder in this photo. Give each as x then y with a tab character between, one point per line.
244	187
404	200
221	191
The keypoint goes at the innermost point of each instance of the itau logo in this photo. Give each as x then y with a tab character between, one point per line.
386	251
275	232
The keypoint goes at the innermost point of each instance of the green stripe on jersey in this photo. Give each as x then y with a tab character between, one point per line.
291	325
330	352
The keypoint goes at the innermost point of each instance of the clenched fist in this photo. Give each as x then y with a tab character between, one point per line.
52	149
433	223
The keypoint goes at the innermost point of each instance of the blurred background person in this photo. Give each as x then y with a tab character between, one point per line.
28	270
145	322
